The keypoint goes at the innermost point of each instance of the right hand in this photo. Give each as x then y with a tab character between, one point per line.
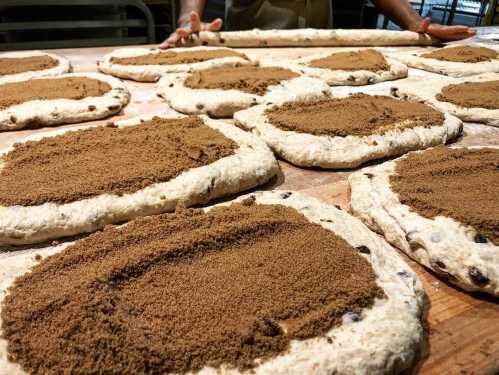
194	25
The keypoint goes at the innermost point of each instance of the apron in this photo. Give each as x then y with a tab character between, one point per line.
277	14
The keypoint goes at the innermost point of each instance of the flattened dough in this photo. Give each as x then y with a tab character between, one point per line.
308	150
417	89
252	164
385	340
311	38
38	113
397	70
449	68
64	66
223	103
425	240
152	73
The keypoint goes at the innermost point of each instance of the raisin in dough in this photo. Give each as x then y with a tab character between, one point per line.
425	91
427	241
309	150
384	339
152	73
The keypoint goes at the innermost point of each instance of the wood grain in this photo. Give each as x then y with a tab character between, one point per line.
463	328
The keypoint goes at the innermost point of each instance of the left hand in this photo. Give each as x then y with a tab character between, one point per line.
445	33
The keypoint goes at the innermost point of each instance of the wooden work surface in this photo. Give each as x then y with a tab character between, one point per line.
463	328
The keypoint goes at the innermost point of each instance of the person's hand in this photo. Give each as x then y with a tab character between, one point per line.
444	33
194	25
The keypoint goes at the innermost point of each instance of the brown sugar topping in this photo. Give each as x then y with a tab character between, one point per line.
16	65
174	293
466	54
252	79
51	88
105	160
172	58
358	114
368	59
462	184
472	94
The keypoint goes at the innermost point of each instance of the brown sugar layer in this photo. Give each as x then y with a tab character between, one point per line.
16	65
106	160
368	59
465	54
74	88
174	293
359	115
172	58
249	79
462	184
472	94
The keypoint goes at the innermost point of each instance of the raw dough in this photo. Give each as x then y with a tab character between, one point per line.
427	91
151	73
309	150
310	38
350	78
64	66
425	240
251	165
223	103
385	340
38	113
449	68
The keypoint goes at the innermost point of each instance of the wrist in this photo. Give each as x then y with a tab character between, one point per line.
414	24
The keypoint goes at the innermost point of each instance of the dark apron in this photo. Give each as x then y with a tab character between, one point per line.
277	14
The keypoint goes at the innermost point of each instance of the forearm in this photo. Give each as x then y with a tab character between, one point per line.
188	6
400	12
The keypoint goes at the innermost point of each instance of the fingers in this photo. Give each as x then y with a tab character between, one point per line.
214	25
195	22
183	32
425	25
170	42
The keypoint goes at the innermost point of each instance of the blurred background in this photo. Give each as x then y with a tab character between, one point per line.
41	24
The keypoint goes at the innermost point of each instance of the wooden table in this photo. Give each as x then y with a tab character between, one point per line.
463	328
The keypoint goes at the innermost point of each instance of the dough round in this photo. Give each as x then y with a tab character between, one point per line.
308	150
384	339
224	103
39	113
396	70
424	91
431	242
449	68
251	164
151	73
63	66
